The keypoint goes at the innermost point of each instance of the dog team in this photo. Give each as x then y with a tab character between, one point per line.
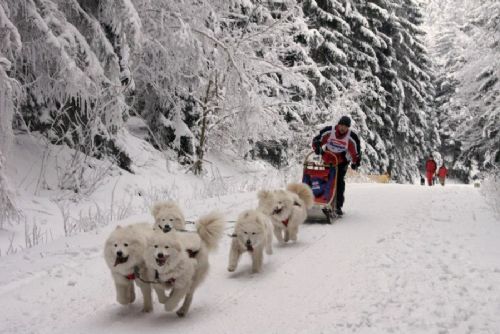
173	262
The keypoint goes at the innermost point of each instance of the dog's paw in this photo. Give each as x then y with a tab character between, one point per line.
122	300
231	268
181	314
147	308
170	306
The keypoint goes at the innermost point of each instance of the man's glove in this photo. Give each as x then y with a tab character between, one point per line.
355	166
318	150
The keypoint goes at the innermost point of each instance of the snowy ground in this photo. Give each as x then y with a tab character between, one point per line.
405	259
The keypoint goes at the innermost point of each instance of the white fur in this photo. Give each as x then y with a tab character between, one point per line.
252	233
168	214
131	241
283	205
177	271
196	245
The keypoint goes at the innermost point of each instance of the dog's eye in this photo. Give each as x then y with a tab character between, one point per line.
116	245
166	246
254	233
126	245
163	219
156	246
245	232
171	219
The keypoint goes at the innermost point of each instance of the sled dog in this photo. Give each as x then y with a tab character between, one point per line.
168	216
287	209
179	260
123	252
252	233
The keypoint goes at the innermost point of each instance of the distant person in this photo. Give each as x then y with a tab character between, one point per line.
442	174
430	169
422	180
339	140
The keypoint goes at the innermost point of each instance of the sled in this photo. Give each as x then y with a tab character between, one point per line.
322	179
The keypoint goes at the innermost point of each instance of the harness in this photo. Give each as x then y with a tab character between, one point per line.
192	253
170	281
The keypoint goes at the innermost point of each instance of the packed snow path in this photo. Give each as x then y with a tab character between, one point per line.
404	259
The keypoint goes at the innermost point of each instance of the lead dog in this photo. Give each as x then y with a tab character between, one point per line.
123	252
252	233
287	209
177	269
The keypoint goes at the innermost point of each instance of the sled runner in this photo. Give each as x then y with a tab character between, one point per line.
322	179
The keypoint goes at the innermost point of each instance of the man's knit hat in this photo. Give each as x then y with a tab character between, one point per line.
345	120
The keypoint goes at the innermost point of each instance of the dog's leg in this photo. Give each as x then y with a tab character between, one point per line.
131	291
187	303
160	292
146	295
278	235
269	244
175	297
257	259
293	232
287	234
123	294
234	256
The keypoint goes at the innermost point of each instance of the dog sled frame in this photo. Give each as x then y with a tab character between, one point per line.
322	172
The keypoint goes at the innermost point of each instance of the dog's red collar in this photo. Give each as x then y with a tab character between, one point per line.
130	277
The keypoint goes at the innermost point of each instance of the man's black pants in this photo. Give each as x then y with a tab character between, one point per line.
342	170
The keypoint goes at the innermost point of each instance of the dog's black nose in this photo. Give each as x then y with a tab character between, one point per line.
249	242
160	255
119	253
166	228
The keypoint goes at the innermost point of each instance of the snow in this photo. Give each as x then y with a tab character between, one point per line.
404	259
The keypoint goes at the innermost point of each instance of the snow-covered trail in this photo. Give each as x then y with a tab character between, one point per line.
405	259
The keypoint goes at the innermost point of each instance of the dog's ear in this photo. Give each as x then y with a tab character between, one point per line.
156	208
264	194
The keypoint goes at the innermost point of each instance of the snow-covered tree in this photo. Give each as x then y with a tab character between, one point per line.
10	45
464	43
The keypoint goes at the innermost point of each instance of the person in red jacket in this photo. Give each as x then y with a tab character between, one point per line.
430	168
442	174
339	140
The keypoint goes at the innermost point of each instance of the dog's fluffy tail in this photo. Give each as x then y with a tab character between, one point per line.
210	229
303	191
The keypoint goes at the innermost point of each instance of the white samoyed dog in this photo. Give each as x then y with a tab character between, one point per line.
287	209
179	260
168	216
252	233
123	252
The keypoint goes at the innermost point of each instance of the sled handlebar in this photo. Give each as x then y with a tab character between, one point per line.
308	163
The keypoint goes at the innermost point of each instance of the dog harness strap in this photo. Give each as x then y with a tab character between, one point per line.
192	253
297	204
130	277
285	222
157	275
